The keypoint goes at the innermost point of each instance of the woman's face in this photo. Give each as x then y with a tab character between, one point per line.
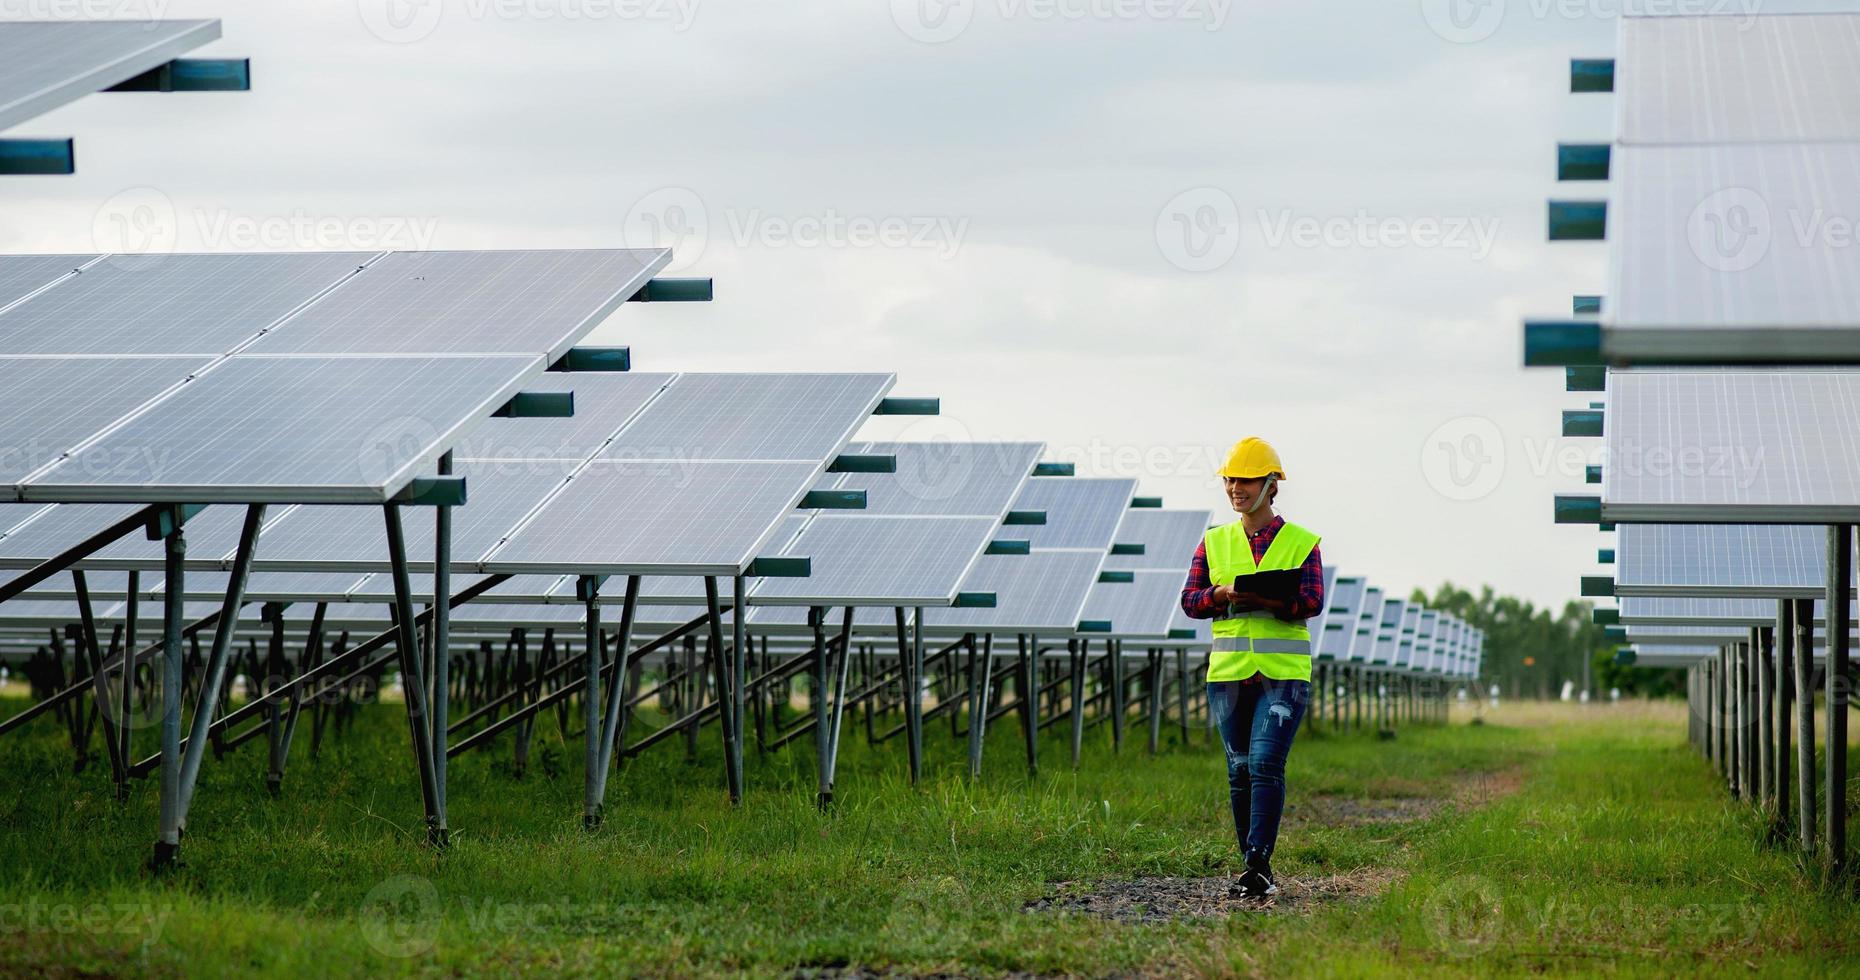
1241	493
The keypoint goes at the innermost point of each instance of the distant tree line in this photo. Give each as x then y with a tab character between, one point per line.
1530	652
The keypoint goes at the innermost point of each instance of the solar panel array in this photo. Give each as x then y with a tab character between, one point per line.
273	340
46	64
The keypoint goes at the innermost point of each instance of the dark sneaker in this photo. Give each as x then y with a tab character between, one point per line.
1256	881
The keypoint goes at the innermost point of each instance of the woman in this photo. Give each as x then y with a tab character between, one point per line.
1259	675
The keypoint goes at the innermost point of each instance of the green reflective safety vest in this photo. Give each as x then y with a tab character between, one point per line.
1257	642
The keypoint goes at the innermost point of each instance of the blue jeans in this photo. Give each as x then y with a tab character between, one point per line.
1257	722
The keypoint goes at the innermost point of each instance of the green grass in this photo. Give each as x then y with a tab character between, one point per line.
1617	852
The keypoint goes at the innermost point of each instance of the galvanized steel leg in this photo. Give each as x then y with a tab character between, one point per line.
440	629
612	728
214	677
1029	684
1805	722
588	589
720	666
839	705
413	686
168	838
1840	621
1080	651
981	673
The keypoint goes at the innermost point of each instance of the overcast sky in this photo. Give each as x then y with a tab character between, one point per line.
1135	229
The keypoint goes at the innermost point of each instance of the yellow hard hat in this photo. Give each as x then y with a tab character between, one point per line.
1253	457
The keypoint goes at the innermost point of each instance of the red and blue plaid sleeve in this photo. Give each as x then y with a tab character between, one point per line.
1310	600
1198	592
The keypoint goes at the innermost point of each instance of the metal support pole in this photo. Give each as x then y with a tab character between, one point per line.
739	660
1785	687
914	702
413	686
215	674
1805	722
1181	690
1028	682
720	666
1840	577
611	726
592	711
1153	696
168	838
1114	649
816	621
1763	658
1080	650
981	672
839	704
440	625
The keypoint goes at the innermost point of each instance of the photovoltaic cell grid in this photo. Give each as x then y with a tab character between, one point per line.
1727	79
1739	445
1388	631
21	274
603	403
1142	607
1081	512
883	561
196	304
1716	237
223	435
289	430
1169	539
1041	592
943	479
1680	610
1332	639
1368	622
46	64
69	400
737	453
1769	561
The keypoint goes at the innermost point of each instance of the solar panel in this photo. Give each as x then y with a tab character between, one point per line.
332	537
1717	79
210	535
67	400
751	417
1169	539
1425	628
603	402
885	561
1772	561
1204	635
169	304
1334	634
945	478
485	302
1143	607
1388	632
1404	647
238	432
1040	592
21	274
1733	445
46	64
1733	238
1368	622
1081	512
1679	610
692	516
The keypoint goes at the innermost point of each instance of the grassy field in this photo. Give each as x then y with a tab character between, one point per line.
1551	839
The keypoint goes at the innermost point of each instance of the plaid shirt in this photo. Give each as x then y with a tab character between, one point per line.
1198	593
